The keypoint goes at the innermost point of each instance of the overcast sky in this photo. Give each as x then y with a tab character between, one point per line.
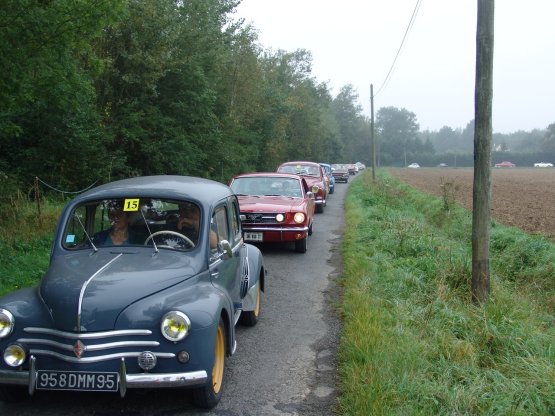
356	41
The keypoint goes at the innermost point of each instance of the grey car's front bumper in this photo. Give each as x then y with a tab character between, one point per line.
126	381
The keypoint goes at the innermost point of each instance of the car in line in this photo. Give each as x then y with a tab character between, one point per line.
505	164
413	166
157	310
328	172
543	165
340	172
352	168
315	177
275	207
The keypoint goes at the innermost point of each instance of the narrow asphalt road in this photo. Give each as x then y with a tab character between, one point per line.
285	365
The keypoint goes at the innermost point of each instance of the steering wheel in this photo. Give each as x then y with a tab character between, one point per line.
172	233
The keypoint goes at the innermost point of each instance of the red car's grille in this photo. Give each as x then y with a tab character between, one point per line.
260	218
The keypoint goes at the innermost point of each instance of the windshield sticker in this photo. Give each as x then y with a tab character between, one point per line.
131	204
70	238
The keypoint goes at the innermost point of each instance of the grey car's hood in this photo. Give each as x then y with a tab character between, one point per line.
103	284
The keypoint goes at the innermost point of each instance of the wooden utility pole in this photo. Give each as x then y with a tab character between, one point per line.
372	132
481	198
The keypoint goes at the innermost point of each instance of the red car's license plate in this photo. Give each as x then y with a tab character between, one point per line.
76	380
253	236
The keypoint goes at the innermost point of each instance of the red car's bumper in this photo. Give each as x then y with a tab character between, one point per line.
274	234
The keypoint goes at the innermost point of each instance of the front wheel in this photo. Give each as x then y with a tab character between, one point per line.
208	396
301	245
11	394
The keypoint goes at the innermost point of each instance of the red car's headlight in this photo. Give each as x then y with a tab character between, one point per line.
299	217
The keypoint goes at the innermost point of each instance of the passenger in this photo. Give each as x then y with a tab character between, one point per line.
118	234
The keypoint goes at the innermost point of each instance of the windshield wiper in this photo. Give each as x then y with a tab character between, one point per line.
86	233
149	232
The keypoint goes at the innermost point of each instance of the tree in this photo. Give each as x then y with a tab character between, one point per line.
47	103
397	133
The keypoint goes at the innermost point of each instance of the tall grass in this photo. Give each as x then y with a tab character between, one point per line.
413	343
26	232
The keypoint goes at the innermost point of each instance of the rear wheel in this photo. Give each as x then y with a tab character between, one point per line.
250	318
208	396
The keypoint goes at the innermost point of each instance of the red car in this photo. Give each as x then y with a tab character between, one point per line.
505	164
315	176
275	207
340	173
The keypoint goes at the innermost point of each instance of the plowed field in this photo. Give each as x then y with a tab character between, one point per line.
521	197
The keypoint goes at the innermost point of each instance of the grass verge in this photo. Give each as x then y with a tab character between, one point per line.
413	342
25	242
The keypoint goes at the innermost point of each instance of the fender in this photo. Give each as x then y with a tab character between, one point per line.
256	276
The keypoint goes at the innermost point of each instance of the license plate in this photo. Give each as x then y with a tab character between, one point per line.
253	236
76	380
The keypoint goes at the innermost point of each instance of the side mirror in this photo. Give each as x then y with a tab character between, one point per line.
226	248
310	195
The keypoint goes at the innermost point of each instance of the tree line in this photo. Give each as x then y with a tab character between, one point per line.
97	90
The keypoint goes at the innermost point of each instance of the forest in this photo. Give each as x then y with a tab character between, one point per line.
97	90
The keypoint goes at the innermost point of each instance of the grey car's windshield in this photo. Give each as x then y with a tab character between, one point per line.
173	224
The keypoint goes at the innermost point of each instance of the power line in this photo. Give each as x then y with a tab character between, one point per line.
409	26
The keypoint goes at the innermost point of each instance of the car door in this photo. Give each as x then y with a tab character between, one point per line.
225	258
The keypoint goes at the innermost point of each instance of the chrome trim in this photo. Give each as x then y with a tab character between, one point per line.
94	347
149	380
32	375
91	335
96	359
84	287
126	381
280	229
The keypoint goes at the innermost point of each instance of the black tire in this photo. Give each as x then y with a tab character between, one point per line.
208	396
320	208
250	318
301	245
310	229
11	394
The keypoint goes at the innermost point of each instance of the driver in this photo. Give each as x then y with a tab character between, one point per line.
189	221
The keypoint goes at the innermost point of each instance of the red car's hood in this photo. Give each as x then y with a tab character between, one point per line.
251	203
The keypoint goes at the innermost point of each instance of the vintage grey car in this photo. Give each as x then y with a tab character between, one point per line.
148	277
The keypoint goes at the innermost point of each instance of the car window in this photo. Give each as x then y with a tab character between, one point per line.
235	228
133	221
220	224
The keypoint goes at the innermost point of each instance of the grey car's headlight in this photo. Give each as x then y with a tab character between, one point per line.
6	323
15	355
175	326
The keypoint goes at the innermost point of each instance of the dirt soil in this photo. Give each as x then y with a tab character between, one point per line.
521	197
